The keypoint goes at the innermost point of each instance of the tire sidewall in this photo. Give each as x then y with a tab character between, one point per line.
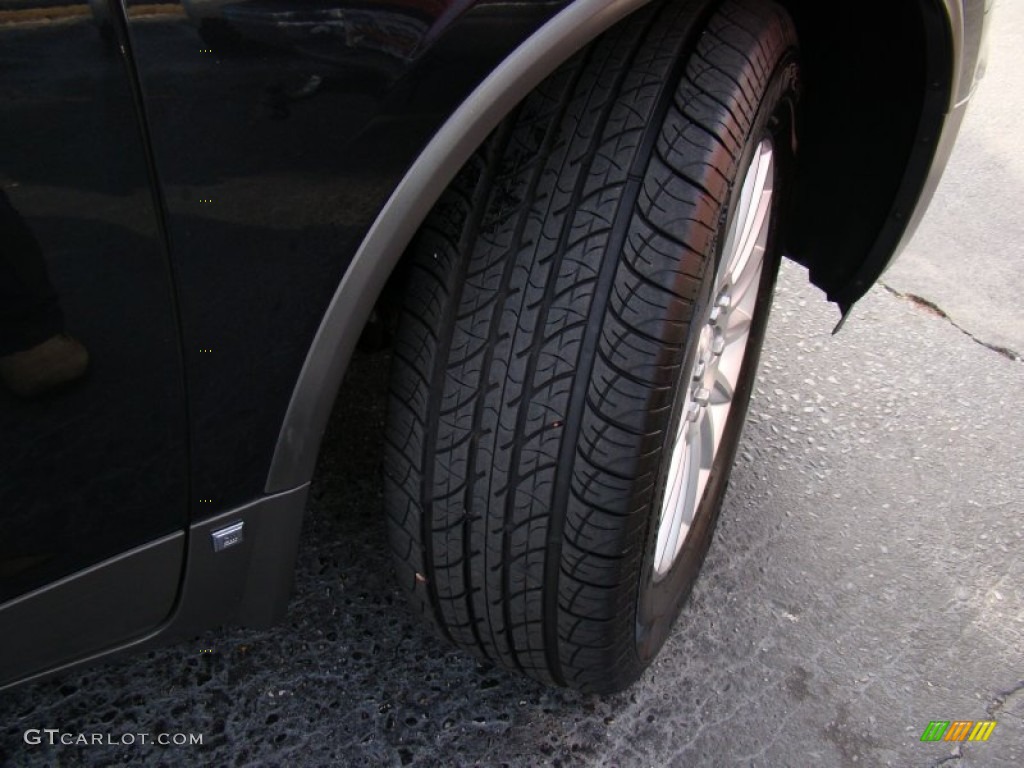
659	603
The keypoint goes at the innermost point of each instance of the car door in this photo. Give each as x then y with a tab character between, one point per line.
93	430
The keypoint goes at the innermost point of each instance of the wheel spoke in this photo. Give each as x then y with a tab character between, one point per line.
738	326
697	459
722	391
754	223
718	409
744	286
748	193
731	362
707	455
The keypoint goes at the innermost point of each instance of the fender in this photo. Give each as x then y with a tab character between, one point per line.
844	274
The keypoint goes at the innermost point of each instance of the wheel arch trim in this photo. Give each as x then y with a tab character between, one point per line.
327	359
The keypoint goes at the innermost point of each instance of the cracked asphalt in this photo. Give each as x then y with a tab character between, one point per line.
966	256
866	578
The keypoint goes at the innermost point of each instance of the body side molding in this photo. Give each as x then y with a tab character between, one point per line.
83	613
248	583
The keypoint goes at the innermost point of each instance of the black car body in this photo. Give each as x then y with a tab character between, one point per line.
219	194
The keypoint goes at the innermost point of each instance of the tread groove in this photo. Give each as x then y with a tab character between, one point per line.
547	321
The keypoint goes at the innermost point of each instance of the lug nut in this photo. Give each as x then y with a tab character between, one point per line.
692	411
702	397
723	304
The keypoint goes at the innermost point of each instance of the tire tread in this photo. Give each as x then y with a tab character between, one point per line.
544	328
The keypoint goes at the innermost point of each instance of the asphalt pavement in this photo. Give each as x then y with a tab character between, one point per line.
866	577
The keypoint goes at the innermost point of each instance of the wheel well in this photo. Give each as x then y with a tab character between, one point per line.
876	85
875	88
879	91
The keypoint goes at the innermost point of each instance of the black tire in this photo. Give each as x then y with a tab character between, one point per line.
548	325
